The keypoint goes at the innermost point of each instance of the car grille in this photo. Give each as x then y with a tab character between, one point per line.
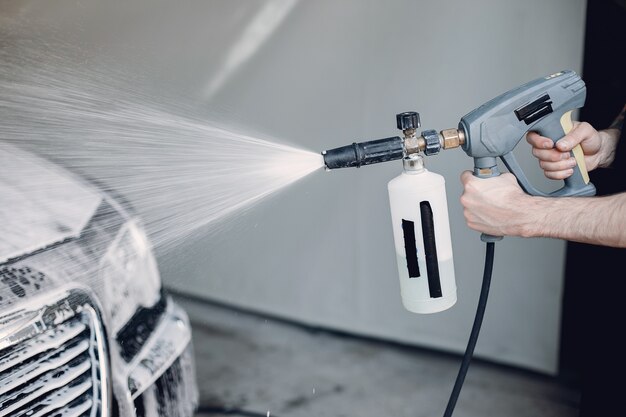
55	363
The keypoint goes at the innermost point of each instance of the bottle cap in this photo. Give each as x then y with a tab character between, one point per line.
413	164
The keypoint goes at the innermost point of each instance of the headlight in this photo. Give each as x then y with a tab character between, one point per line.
130	274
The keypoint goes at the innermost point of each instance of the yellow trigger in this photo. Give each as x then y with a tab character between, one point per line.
567	125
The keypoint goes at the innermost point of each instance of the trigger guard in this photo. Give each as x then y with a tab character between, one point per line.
511	164
565	191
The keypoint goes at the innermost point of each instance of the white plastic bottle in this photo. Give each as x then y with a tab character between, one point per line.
421	230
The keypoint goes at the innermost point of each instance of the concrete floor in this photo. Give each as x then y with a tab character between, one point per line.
264	367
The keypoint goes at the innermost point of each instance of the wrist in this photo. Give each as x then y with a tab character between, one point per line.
530	216
609	138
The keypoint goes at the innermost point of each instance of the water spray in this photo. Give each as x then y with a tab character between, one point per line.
417	197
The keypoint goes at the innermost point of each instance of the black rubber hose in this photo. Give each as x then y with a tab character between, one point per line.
478	320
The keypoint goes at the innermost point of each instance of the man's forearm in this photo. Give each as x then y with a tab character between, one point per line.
595	220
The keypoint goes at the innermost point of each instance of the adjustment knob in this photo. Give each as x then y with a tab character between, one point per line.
408	120
433	145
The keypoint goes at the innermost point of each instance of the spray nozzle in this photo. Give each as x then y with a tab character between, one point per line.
364	153
389	149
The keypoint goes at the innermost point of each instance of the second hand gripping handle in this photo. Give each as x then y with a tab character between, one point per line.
578	183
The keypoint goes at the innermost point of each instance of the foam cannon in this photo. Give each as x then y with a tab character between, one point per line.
393	148
419	210
417	197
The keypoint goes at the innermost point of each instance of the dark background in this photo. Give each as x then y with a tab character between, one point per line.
593	306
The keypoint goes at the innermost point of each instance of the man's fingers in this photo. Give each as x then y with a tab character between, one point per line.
539	142
556	162
580	132
466	176
550	155
562	165
559	175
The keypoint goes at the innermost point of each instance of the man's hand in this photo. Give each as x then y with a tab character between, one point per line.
556	161
496	206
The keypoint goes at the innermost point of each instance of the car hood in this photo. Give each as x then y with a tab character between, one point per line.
41	203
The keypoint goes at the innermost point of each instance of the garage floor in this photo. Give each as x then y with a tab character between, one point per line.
250	365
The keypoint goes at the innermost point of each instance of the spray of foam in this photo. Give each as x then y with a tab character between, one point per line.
180	173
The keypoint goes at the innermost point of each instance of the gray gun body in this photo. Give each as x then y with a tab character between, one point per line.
494	129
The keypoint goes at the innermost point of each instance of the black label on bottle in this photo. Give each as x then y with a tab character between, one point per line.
430	250
410	248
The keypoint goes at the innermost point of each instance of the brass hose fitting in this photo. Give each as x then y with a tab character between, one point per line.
452	138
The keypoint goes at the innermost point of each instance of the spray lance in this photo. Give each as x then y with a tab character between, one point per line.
417	196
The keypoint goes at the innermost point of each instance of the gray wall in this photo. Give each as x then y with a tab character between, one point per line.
326	74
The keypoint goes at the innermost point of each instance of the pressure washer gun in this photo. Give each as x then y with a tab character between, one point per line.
491	131
417	197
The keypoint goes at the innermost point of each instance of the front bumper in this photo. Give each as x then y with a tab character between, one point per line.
161	380
174	393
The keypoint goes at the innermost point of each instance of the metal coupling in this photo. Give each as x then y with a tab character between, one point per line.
413	144
432	142
452	138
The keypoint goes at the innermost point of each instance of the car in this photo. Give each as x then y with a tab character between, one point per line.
86	328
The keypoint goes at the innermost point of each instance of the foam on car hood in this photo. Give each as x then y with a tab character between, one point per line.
40	203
